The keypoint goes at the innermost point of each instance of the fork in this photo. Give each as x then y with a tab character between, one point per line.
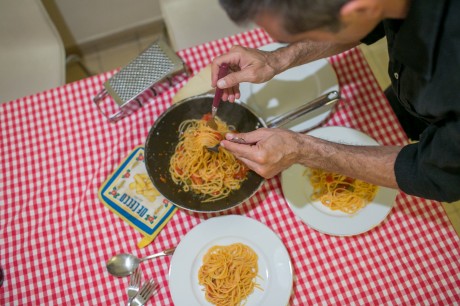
148	288
234	139
134	284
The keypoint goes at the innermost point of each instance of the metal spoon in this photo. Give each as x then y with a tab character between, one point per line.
125	264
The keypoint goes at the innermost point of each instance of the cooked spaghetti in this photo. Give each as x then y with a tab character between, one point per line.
340	192
229	274
210	174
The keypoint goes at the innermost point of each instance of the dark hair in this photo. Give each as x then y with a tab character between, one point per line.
298	15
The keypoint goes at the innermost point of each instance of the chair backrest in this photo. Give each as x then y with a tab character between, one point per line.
32	55
193	22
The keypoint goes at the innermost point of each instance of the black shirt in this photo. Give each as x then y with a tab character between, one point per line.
424	51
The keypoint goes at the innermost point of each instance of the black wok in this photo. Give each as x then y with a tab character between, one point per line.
164	136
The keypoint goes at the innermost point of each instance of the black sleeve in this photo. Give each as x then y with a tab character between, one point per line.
377	33
431	167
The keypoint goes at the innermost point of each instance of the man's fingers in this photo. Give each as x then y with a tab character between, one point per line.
242	144
233	79
249	137
240	150
226	93
231	94
237	93
254	166
233	60
251	165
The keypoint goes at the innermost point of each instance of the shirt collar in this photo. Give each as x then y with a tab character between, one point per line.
415	42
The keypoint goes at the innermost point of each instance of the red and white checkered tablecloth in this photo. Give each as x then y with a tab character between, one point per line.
56	236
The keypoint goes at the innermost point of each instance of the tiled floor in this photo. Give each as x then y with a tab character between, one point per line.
102	59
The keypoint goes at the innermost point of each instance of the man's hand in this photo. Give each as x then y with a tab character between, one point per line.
246	65
256	66
267	151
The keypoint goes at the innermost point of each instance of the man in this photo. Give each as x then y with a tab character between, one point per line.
424	49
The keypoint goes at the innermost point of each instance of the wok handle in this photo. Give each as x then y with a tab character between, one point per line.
223	71
326	99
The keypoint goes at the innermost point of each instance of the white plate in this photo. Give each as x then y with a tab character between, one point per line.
274	263
297	191
290	89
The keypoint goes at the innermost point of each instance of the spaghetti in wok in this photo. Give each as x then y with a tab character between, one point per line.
192	166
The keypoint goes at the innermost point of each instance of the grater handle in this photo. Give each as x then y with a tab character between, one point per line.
100	96
98	99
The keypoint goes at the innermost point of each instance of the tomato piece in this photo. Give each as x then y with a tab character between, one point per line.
196	179
242	173
218	136
206	117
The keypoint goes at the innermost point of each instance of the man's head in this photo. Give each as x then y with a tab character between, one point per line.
296	20
298	15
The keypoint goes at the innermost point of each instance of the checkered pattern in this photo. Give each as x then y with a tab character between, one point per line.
56	236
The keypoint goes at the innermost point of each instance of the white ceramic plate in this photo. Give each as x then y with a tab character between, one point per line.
274	263
297	191
289	90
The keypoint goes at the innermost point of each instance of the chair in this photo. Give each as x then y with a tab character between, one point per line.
193	22
32	54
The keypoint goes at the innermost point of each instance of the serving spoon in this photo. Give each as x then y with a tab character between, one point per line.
125	264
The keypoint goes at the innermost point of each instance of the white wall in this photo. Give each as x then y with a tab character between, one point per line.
90	20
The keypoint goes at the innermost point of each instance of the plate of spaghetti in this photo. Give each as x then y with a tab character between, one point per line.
230	260
332	203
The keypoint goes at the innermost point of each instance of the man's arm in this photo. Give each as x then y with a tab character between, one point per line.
372	164
300	53
256	66
274	150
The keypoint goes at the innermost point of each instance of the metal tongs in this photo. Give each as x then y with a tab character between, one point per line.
223	70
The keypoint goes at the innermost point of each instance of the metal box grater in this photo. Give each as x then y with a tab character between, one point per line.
153	70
